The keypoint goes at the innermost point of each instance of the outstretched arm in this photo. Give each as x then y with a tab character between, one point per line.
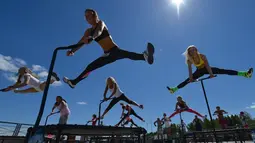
53	108
105	91
190	71
83	40
17	82
9	88
209	69
224	112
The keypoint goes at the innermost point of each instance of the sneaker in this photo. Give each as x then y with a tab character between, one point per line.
249	73
55	76
148	54
141	106
69	82
172	90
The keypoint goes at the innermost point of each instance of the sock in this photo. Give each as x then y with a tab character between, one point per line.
175	89
242	73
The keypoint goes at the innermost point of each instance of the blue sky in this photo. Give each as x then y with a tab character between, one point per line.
222	30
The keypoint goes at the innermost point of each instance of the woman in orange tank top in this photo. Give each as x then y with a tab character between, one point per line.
200	61
99	33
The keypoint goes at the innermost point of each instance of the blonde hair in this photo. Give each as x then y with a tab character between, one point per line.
110	78
27	70
186	54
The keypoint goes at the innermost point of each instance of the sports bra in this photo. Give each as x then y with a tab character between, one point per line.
103	35
201	61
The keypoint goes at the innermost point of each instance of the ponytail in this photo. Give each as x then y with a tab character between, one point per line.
27	70
62	98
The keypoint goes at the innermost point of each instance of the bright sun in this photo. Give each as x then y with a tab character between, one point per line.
177	3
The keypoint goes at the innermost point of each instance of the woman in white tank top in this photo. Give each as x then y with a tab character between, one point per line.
116	96
26	77
62	106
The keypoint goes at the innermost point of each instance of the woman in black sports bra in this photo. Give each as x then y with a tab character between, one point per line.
99	33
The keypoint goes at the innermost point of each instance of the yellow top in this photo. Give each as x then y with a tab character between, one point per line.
201	62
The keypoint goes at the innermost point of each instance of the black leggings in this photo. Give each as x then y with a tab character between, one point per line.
132	112
116	100
110	56
200	72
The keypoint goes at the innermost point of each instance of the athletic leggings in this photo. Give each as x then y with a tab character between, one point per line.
116	100
110	56
187	110
200	72
132	112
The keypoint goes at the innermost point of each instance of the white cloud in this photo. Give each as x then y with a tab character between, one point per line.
36	68
8	58
20	61
11	77
82	103
43	74
252	106
7	65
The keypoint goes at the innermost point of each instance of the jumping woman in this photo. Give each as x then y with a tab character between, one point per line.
99	33
130	111
116	96
26	77
200	61
62	106
183	107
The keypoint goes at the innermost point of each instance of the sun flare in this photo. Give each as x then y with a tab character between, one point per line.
177	3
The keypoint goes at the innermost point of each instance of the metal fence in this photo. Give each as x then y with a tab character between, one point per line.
13	129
